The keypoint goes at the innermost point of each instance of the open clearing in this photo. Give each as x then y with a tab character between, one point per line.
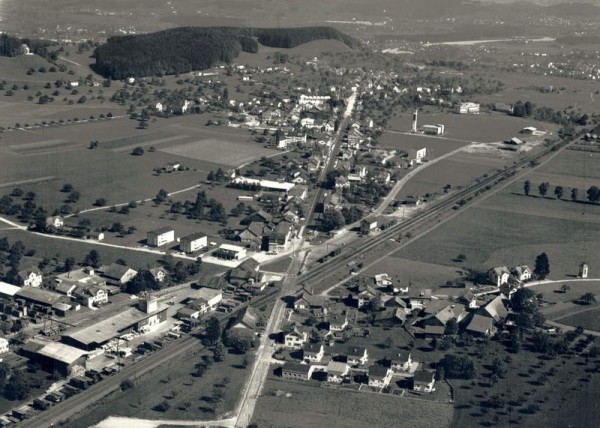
484	127
314	406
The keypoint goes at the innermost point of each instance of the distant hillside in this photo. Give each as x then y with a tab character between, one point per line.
181	50
12	46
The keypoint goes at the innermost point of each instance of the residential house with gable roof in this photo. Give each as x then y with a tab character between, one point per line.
499	275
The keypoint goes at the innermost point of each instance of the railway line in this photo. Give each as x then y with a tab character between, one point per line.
453	201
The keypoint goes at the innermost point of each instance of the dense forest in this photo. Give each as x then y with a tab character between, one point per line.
181	50
12	46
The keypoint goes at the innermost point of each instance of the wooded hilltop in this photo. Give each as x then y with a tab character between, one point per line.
181	50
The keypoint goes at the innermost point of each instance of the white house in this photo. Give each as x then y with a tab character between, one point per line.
295	339
499	275
522	273
337	371
160	237
379	377
416	156
3	345
313	352
193	242
30	277
424	381
55	221
402	363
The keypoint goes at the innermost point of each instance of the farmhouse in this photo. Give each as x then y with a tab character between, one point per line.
230	252
90	296
481	326
246	321
424	381
279	239
390	317
117	274
55	221
31	277
160	237
3	345
294	371
194	242
522	273
499	275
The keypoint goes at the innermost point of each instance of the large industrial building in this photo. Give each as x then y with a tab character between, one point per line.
144	318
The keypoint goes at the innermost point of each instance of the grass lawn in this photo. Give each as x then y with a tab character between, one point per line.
418	274
303	405
175	384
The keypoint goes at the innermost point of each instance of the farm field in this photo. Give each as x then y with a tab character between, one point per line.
175	384
484	127
457	170
588	318
491	237
55	155
314	406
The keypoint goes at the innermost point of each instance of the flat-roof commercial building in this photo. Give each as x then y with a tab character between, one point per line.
194	242
230	252
160	237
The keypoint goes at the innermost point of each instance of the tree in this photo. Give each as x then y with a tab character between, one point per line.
515	341
213	330
4	373
351	214
92	259
527	187
499	368
564	288
332	220
69	264
67	187
588	298
543	189
574	194
100	202
73	196
138	151
458	367
17	387
219	351
542	266
593	194
559	192
161	196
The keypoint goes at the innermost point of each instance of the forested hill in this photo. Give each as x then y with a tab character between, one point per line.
181	50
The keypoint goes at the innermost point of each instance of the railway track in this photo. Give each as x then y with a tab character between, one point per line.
349	254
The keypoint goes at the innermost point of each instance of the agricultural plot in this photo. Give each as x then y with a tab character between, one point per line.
187	396
405	142
300	405
458	170
219	151
589	319
491	237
